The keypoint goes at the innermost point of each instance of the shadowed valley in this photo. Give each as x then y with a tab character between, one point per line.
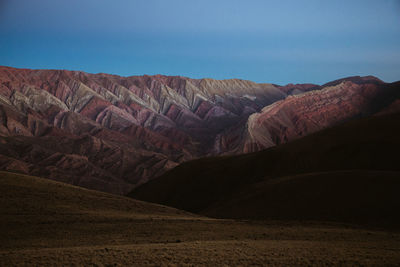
216	172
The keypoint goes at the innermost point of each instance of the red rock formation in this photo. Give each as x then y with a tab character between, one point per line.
146	124
112	133
301	115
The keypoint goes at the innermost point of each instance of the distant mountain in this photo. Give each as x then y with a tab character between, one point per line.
299	115
347	173
113	133
295	89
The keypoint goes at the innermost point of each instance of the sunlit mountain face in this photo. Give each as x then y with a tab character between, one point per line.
112	133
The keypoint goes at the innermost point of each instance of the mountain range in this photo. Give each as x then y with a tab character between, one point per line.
113	133
237	172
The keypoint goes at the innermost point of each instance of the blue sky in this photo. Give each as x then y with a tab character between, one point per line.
278	41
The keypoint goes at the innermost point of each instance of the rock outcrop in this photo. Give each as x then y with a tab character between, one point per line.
302	114
113	133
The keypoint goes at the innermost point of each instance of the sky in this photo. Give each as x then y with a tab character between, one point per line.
277	41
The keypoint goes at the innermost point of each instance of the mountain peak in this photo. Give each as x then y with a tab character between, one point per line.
356	79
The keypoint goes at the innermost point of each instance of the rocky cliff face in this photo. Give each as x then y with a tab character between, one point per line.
113	133
302	114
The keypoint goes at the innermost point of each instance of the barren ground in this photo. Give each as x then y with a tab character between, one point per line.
45	223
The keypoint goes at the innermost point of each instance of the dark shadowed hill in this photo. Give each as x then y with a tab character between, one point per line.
46	223
357	196
33	199
349	172
113	133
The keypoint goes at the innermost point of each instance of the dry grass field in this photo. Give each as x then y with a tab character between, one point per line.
46	223
213	253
